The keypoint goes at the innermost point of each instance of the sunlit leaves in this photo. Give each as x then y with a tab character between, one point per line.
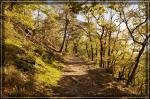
96	9
17	17
115	7
132	13
108	25
53	16
75	7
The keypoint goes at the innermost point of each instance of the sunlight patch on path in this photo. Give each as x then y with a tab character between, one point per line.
74	70
75	66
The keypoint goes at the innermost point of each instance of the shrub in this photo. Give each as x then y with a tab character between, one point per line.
48	57
25	62
16	83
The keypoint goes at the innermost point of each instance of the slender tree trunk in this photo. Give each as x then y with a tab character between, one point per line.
104	51
136	63
92	54
87	51
64	38
108	62
66	46
75	48
101	53
96	53
114	70
109	42
101	49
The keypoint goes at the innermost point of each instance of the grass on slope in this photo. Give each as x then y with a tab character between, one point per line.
28	69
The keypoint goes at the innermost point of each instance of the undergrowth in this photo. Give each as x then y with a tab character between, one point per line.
28	69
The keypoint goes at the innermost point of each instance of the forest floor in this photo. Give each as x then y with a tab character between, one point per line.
83	80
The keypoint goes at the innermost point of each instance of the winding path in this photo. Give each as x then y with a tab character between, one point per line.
82	80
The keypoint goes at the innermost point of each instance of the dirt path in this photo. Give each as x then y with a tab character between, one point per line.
82	80
75	66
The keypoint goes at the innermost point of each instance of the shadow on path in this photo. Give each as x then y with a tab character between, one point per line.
90	85
79	80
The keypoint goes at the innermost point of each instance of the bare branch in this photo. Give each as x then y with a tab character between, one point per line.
140	24
82	28
131	34
132	31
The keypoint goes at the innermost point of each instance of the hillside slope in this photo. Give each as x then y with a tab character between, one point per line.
29	69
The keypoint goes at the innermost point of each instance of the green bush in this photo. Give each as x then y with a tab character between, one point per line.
16	83
48	57
26	63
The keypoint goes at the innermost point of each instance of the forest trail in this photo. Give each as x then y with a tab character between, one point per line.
81	79
74	66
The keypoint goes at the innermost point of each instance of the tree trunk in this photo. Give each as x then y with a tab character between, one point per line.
89	34
136	63
108	62
87	51
92	54
104	51
101	49
75	48
66	46
96	53
101	53
64	38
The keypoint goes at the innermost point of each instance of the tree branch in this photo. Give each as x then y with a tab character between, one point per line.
82	28
132	31
140	24
131	34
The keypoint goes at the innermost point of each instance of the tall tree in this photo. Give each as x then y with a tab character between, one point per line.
65	31
142	42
